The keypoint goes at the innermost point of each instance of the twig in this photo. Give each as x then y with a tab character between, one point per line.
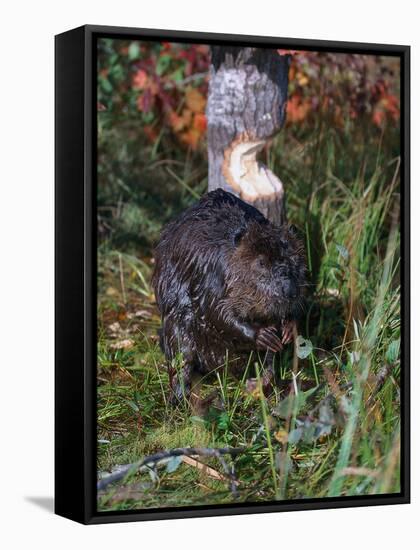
230	473
153	460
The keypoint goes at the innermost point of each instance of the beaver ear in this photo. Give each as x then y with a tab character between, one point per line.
293	229
237	237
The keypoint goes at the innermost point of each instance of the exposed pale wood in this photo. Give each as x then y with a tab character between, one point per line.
246	108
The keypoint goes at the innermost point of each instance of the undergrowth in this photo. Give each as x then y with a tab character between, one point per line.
332	425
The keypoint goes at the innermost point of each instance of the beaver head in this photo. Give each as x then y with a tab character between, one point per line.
267	271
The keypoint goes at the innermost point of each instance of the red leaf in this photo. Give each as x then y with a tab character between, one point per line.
200	122
140	80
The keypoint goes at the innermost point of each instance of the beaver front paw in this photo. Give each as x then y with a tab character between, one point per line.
268	339
288	332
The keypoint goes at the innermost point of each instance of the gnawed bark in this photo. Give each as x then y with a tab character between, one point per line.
246	107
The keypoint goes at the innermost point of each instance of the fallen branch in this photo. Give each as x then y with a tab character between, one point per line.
152	461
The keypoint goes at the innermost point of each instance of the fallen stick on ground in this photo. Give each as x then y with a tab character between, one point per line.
152	461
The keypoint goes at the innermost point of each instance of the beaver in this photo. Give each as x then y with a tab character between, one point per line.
227	282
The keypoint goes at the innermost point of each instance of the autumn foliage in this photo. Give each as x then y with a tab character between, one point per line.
165	85
344	87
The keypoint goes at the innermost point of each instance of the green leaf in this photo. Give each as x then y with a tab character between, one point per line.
393	351
292	404
223	421
303	347
113	59
173	464
162	64
177	75
342	250
295	435
105	85
309	433
133	51
133	405
116	73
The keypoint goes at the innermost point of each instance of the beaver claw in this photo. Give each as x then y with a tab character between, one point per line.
268	339
288	332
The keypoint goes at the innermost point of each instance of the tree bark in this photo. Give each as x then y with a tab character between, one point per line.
246	107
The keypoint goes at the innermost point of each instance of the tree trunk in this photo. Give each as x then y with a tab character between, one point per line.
246	107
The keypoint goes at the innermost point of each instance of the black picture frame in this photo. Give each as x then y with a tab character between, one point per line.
75	274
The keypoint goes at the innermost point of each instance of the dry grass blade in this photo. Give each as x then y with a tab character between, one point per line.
211	472
353	471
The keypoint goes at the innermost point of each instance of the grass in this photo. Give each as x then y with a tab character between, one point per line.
335	430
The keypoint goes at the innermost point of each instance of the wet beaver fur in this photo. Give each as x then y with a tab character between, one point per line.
227	282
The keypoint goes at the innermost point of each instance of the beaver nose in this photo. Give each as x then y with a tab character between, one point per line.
289	288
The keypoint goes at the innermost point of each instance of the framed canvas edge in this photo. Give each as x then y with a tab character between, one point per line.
89	514
69	384
242	39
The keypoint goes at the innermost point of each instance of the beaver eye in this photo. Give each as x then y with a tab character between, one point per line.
237	237
261	262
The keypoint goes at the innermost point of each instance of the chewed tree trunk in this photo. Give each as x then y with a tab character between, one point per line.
246	107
